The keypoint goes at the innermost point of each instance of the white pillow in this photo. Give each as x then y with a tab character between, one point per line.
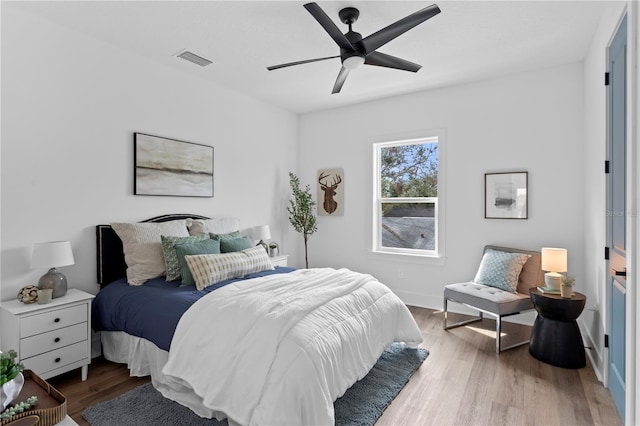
209	269
223	225
142	246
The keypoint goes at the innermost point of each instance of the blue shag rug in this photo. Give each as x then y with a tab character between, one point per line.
361	405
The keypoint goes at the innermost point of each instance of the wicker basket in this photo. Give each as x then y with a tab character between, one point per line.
51	406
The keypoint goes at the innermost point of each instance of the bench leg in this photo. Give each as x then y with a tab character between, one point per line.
448	326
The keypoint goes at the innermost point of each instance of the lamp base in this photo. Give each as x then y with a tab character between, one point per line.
264	245
553	280
54	280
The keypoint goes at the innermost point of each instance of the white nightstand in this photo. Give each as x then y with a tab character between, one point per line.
52	338
280	260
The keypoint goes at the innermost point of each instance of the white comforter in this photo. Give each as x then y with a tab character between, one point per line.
278	350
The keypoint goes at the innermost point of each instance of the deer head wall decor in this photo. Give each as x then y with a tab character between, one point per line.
332	194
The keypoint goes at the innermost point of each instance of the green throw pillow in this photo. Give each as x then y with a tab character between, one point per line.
170	258
208	246
229	245
230	235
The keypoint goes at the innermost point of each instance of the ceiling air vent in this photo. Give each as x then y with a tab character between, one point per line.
192	57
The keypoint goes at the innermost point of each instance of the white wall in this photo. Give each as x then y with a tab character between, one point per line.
70	106
531	122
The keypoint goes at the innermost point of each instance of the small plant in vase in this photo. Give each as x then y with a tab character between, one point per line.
566	288
11	382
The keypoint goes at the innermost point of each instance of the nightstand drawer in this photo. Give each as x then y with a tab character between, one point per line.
51	340
52	320
58	358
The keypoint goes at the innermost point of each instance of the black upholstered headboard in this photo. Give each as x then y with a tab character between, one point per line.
110	257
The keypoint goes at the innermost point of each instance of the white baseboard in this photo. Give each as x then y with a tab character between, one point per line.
593	352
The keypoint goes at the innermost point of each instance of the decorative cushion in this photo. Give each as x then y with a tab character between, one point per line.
225	236
206	246
500	269
228	245
211	269
142	246
219	225
170	258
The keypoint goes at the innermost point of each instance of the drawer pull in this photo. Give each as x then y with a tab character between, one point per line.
57	359
57	339
56	320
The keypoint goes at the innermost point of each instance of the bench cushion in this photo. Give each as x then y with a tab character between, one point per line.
487	298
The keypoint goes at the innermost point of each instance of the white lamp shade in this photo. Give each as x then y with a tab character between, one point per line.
261	232
52	254
554	259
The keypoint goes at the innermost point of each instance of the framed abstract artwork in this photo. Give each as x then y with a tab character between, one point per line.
505	195
170	167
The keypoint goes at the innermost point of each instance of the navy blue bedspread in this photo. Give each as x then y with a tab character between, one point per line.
152	310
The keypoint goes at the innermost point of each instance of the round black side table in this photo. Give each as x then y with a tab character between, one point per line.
556	338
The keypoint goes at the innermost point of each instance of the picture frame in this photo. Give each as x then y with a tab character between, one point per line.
170	167
330	192
506	195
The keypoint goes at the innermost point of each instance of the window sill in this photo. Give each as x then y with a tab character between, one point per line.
407	258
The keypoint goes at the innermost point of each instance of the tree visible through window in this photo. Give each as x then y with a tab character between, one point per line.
407	196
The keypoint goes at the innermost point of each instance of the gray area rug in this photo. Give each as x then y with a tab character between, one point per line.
361	405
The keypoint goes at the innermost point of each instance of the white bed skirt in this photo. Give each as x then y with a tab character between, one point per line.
143	358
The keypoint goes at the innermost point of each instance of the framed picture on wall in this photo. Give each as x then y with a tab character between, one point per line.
331	192
505	195
170	167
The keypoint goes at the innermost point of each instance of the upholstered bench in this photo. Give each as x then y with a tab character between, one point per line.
500	288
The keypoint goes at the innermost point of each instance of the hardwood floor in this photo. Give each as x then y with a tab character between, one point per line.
462	382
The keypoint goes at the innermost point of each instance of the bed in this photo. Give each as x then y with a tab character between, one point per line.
271	346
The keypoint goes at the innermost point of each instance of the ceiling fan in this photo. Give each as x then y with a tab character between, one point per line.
355	50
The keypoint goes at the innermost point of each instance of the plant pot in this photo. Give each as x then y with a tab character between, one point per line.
10	391
273	251
566	291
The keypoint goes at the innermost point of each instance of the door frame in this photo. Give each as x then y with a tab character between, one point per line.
632	332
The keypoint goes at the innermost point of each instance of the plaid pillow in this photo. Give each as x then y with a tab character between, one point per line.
209	269
171	258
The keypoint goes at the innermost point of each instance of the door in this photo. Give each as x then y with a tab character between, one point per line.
617	217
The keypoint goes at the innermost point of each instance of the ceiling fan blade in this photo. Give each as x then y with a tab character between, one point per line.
342	76
306	61
398	28
383	60
329	26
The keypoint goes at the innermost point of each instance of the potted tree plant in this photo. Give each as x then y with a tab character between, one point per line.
301	213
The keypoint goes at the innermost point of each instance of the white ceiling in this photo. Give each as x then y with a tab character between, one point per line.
469	40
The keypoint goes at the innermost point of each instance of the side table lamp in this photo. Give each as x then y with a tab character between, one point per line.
554	261
50	255
261	233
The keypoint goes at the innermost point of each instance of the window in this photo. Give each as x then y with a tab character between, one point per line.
407	192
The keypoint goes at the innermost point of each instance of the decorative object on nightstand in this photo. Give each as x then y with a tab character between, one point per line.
51	255
567	286
554	261
28	294
53	338
261	233
273	249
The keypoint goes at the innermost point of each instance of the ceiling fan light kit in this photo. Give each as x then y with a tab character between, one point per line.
356	51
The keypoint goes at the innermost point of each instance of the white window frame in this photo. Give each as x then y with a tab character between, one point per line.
437	136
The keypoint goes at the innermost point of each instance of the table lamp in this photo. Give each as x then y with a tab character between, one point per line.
261	233
50	255
554	261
